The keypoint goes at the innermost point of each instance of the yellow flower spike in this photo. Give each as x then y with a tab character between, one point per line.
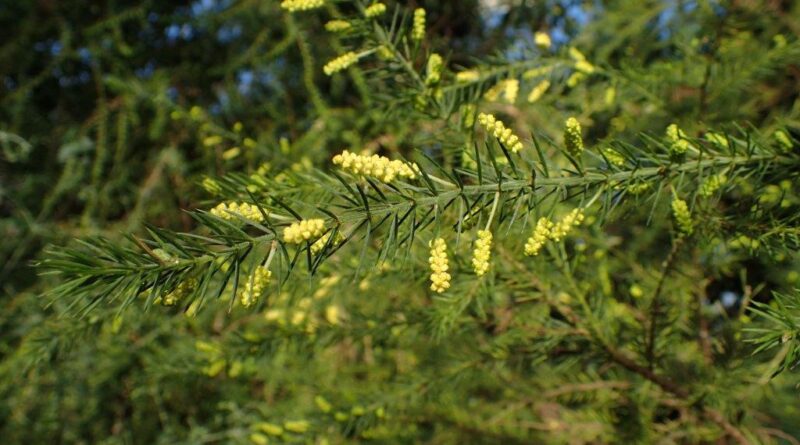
337	26
323	241
375	10
301	5
434	69
678	144
783	139
231	211
567	223
508	89
717	139
323	404
712	185
499	131
538	91
468	76
269	428
418	29
231	153
572	137
380	167
255	286
482	252
614	157
575	78
542	40
333	314
537	72
610	95
181	291
211	186
511	90
296	426
304	230
541	233
259	439
212	141
682	215
581	64
440	278
340	63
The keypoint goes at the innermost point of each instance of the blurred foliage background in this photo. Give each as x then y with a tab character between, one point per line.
112	114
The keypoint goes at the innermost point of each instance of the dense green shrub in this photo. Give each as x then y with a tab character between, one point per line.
309	221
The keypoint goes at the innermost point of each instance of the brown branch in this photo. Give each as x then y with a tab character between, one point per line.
655	303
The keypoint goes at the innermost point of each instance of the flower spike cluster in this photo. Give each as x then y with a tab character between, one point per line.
340	63
541	233
304	230
255	286
499	130
301	5
682	215
229	211
418	29
379	167
572	137
482	252
440	278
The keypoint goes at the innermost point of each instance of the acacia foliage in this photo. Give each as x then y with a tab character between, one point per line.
636	326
